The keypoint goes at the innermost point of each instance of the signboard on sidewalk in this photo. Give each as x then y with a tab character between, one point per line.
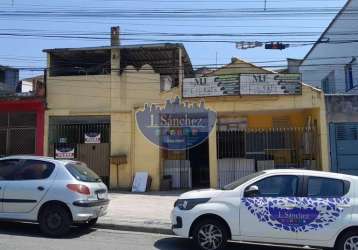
243	84
140	182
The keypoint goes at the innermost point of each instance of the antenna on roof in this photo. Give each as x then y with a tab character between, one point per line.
12	2
265	7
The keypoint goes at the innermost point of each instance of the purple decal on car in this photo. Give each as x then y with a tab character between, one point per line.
294	217
296	214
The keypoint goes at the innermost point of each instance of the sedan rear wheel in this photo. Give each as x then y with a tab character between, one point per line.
210	234
55	220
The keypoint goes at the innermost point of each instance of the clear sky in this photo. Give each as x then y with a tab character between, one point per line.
245	19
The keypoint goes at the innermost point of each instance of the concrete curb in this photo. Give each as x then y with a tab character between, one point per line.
134	228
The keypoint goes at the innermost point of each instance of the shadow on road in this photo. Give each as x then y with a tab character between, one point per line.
174	243
33	230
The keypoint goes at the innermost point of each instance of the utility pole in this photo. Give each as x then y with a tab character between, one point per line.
265	5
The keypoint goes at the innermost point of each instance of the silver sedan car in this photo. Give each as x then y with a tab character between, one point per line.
54	193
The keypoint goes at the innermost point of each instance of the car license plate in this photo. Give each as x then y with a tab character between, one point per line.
101	196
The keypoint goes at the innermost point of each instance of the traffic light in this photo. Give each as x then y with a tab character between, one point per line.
276	45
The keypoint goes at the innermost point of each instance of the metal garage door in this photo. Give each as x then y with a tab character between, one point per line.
96	156
344	147
71	131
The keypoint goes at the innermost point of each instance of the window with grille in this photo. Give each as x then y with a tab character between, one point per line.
17	133
22	141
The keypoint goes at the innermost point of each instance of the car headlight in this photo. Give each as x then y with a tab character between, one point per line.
187	204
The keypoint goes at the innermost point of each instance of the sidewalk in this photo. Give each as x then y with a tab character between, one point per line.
147	212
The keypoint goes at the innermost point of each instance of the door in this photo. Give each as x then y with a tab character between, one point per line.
268	215
328	207
28	186
96	156
199	163
344	144
7	167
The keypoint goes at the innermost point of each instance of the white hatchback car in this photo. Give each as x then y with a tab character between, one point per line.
54	193
294	207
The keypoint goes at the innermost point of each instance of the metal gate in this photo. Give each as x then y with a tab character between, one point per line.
96	156
72	131
17	133
242	152
176	172
344	147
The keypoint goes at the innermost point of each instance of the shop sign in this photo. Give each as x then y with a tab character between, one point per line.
92	138
270	84
211	86
243	84
65	152
177	125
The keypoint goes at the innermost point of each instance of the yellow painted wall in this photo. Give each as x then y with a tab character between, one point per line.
121	142
296	119
134	88
320	116
104	93
79	93
146	158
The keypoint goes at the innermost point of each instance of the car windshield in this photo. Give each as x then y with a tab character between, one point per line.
242	180
81	172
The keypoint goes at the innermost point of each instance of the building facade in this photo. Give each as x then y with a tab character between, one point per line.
331	64
258	127
94	94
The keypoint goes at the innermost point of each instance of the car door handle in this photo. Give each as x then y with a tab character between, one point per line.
41	188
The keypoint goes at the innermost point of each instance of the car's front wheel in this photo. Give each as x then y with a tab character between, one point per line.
348	241
55	220
210	234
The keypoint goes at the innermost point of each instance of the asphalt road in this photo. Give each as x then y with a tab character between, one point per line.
27	236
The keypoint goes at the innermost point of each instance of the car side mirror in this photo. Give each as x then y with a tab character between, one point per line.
252	191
